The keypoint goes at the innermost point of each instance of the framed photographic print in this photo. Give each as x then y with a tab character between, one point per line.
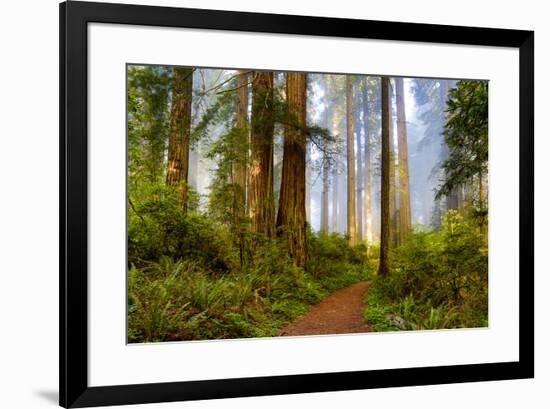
256	204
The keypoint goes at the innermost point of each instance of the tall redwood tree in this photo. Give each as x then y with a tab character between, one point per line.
403	167
383	267
177	172
351	227
291	218
367	175
261	207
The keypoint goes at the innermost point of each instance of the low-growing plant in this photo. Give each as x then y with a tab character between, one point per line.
330	253
438	279
181	299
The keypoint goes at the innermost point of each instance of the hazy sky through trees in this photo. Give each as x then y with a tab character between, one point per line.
227	167
423	156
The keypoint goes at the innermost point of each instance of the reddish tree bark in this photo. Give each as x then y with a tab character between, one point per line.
367	183
177	172
291	218
385	227
260	175
403	167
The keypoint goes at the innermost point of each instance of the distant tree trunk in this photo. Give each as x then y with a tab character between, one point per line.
404	192
351	228
324	198
334	200
392	167
326	169
383	268
342	201
335	176
193	178
261	206
359	189
367	184
291	218
460	197
308	190
180	131
240	146
481	205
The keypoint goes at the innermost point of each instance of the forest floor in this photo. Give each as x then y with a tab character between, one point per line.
339	313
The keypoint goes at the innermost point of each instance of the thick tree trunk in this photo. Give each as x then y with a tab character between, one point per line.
367	183
180	131
240	146
261	207
383	268
403	156
291	218
359	189
351	227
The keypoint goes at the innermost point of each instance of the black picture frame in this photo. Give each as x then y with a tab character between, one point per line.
73	378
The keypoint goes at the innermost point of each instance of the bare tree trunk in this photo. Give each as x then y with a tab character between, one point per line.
404	193
460	198
261	207
180	131
359	189
393	168
383	268
367	184
342	200
308	190
334	200
291	218
193	177
351	163
481	204
335	176
324	199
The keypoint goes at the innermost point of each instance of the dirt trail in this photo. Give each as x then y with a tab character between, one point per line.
339	313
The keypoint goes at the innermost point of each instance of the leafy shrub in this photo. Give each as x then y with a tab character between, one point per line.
158	227
438	280
330	253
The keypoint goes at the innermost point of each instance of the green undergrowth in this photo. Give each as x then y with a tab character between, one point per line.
195	298
438	280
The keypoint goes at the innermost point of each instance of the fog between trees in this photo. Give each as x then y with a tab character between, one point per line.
230	168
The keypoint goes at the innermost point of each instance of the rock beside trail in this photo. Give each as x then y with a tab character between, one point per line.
397	321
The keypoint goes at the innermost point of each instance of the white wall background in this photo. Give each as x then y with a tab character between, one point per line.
29	200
